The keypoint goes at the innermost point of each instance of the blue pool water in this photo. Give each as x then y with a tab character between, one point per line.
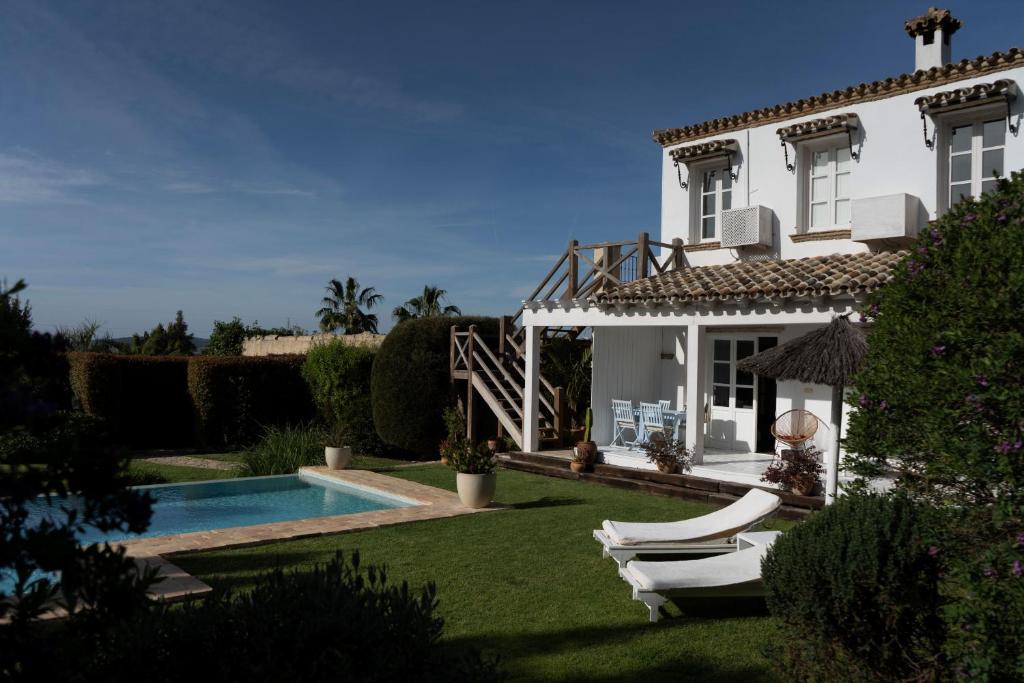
202	506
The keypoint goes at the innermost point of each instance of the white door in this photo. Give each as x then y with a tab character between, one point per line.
731	395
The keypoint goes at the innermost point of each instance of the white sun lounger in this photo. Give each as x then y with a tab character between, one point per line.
735	574
710	533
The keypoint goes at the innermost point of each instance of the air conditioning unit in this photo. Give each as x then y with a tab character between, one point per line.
893	216
749	226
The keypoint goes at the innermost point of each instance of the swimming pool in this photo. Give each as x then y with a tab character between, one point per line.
228	503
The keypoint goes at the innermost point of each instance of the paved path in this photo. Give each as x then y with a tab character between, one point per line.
189	461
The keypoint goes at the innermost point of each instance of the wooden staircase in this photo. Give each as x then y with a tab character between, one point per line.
498	376
496	371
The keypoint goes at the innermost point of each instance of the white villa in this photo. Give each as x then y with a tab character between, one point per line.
773	221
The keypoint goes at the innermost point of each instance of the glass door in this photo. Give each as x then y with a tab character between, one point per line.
732	393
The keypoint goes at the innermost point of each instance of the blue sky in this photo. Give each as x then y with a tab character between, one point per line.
227	158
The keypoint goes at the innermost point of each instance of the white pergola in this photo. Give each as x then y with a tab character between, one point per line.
697	319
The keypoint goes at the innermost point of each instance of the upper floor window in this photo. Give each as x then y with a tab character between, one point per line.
715	197
828	186
975	158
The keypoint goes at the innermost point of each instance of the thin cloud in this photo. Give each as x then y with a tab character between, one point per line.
31	179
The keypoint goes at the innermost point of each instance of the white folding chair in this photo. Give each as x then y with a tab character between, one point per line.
622	413
653	419
665	405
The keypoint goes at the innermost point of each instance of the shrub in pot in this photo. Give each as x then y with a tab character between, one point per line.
579	461
475	477
586	447
797	471
337	452
669	454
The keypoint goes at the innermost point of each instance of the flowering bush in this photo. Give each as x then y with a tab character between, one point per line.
940	401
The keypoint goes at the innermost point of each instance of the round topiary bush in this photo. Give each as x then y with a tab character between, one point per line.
411	385
855	587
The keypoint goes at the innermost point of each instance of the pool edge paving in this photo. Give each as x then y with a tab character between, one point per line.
429	503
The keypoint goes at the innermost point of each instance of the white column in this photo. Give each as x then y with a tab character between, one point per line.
832	457
531	390
695	350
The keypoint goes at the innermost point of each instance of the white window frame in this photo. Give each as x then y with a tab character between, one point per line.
976	117
832	143
696	174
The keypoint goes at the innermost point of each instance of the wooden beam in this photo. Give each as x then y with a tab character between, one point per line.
574	268
643	255
470	427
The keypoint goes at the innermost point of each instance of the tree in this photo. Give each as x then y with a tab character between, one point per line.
342	308
47	450
429	304
81	337
174	340
226	339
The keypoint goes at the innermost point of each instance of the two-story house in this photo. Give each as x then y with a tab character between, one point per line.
773	222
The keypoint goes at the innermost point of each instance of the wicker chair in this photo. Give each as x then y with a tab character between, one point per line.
795	427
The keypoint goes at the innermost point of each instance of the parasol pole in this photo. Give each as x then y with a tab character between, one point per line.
832	457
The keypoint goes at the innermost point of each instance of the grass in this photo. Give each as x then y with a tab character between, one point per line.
529	583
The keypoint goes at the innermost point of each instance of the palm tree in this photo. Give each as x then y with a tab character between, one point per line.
343	307
426	305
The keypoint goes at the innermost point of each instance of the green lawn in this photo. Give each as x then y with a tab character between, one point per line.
529	584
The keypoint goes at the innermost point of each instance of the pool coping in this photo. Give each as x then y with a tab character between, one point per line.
428	503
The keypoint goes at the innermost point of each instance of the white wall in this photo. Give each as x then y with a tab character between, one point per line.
893	159
627	365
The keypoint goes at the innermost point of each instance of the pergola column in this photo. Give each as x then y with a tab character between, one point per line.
531	389
695	351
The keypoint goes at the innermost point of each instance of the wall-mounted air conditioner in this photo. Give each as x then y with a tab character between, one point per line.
749	226
893	216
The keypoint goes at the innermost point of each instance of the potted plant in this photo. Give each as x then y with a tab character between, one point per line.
337	456
475	477
796	470
579	461
586	449
494	444
669	454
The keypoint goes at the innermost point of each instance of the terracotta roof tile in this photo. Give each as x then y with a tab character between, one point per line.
864	92
787	279
932	20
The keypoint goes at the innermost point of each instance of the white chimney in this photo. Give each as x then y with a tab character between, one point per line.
931	33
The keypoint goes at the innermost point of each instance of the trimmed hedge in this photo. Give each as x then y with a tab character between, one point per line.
236	397
144	399
856	590
411	386
339	380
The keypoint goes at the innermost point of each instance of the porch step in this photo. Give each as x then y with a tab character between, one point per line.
683	486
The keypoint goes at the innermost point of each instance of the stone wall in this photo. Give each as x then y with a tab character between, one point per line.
274	345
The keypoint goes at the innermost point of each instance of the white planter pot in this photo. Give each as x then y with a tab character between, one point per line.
476	490
338	458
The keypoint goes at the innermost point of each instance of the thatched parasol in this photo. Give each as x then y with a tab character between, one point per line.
828	355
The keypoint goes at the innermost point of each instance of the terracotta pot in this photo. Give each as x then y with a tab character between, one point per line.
668	469
338	458
476	490
493	445
577	466
587	449
444	460
802	486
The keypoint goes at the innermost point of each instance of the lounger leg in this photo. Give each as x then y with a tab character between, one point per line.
654	603
621	556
